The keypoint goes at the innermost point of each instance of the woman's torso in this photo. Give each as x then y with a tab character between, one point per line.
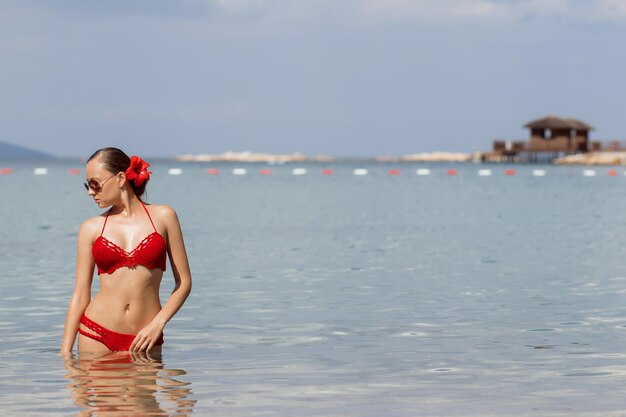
128	298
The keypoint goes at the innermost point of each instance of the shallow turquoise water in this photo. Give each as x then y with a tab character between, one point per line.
338	295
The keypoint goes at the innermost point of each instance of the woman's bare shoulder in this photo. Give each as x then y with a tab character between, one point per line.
162	209
163	212
92	225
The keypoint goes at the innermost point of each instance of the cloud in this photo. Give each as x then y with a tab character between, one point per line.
241	6
579	10
345	72
370	10
384	10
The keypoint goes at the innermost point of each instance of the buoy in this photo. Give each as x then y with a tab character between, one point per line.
360	171
6	171
451	172
240	171
175	171
394	172
266	171
539	172
589	173
298	171
213	171
612	173
423	171
484	172
40	171
509	172
74	171
327	171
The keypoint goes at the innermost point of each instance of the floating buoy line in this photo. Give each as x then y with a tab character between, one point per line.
361	172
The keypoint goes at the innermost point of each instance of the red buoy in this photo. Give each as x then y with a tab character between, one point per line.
509	172
327	171
5	171
394	172
266	171
612	173
74	171
452	172
213	171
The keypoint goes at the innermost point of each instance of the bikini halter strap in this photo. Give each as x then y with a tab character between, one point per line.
105	221
144	207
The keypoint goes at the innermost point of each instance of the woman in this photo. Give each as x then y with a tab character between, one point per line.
128	244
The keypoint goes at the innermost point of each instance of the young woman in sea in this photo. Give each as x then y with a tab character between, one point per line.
128	244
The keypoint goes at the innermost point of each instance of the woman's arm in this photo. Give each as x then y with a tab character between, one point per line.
147	337
82	289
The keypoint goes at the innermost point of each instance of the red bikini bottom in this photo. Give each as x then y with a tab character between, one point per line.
114	341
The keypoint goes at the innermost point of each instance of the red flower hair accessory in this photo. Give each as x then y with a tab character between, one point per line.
138	170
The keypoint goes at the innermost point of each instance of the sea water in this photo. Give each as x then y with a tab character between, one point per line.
337	295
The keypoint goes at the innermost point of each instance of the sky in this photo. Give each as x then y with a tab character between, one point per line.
342	78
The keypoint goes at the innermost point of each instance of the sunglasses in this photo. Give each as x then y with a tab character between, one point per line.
95	185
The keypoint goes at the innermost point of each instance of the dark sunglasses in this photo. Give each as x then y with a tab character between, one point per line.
95	185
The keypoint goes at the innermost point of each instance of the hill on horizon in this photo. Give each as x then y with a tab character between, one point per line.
11	151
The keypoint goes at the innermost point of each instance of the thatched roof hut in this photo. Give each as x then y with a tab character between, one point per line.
555	123
550	135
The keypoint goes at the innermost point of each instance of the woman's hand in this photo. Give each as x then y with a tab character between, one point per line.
148	336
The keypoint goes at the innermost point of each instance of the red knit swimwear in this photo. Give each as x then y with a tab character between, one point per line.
114	341
150	252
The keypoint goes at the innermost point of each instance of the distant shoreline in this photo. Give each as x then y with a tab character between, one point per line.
608	158
297	157
589	158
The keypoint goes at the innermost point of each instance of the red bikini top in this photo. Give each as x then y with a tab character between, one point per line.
150	252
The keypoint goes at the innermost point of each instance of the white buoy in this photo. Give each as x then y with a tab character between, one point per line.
539	172
423	171
484	172
175	171
589	173
298	171
360	171
40	171
240	171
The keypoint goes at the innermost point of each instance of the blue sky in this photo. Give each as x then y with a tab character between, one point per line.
320	77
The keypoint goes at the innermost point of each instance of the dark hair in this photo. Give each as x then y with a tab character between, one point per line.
115	160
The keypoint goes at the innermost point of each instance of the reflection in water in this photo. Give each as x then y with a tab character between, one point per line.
127	383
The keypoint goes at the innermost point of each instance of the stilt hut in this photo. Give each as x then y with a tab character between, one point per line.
556	134
550	136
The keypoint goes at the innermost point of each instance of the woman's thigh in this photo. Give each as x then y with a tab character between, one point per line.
87	344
